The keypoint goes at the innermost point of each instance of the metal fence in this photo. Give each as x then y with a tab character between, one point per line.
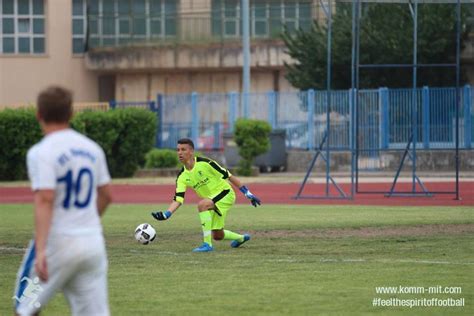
386	117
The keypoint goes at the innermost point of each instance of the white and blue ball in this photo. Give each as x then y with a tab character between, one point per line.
145	233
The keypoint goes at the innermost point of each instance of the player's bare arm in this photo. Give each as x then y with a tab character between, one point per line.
44	200
174	206
235	181
104	198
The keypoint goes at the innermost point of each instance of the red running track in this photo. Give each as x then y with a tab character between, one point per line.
281	194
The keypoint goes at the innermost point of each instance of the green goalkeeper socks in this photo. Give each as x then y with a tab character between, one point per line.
206	221
233	236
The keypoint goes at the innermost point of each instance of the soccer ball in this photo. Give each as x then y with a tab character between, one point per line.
145	233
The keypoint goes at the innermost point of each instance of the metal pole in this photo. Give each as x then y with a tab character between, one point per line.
272	118
310	102
195	120
467	116
414	94
355	84
246	55
352	97
328	96
458	99
232	110
160	111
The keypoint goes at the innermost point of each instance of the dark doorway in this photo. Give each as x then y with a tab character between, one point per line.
106	88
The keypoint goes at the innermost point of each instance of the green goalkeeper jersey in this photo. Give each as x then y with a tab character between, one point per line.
207	179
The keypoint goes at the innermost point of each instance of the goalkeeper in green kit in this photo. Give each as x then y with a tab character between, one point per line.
209	181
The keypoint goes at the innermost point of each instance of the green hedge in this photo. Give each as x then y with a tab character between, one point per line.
161	158
164	158
19	130
126	135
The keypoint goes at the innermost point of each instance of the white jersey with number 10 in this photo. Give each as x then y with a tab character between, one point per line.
73	166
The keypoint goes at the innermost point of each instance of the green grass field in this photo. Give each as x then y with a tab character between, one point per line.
302	260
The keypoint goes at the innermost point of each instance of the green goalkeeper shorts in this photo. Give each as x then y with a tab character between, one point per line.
222	206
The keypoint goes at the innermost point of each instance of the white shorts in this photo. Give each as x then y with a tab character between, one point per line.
77	266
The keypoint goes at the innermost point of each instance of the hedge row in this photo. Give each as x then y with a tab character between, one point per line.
19	130
126	135
161	158
164	158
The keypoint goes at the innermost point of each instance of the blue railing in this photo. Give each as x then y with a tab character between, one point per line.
385	117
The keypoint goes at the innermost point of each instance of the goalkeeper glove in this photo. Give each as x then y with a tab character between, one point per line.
253	199
161	216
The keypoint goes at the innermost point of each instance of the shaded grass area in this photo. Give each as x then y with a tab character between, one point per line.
277	272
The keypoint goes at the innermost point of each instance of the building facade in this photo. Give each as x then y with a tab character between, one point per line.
132	50
36	51
128	50
169	47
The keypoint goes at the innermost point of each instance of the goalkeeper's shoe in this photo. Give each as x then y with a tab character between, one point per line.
236	243
205	247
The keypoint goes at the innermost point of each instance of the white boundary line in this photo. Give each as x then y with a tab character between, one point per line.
359	260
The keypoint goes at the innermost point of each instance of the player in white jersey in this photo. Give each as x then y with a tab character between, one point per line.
69	177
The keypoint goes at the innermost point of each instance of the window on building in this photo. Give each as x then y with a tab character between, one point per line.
79	25
117	22
22	27
268	18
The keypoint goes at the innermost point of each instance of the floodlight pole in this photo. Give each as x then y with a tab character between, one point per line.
246	57
354	98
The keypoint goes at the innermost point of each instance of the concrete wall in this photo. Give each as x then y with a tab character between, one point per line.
23	76
435	160
214	56
145	86
428	162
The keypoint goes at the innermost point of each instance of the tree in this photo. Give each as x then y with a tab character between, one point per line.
253	139
386	37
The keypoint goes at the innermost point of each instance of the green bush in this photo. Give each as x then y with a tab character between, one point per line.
161	158
126	135
19	130
199	154
253	139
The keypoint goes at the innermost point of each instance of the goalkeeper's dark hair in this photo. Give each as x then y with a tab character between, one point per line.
54	105
188	141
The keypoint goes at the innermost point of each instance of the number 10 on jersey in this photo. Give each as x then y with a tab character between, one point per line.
75	184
